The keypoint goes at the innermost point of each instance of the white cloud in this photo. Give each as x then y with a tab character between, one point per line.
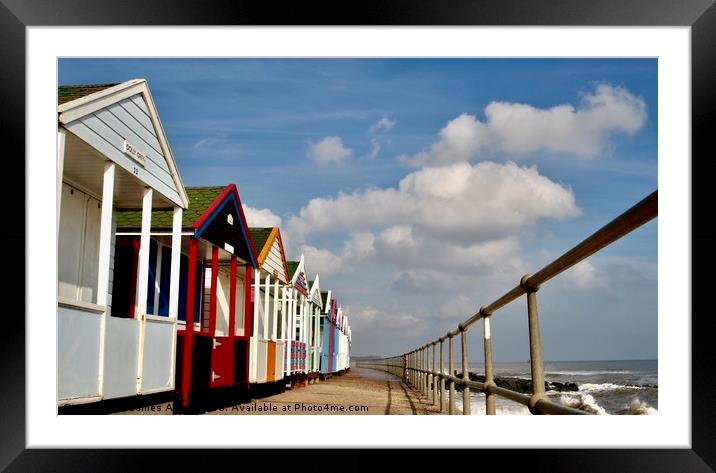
375	148
359	247
329	150
320	261
459	203
583	275
519	129
398	323
384	124
261	217
460	221
220	147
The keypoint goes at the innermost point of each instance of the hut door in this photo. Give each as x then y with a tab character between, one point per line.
271	362
222	362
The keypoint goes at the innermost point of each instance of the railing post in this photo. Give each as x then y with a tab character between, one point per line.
428	386
451	408
465	376
443	405
420	367
426	367
536	363
435	381
489	375
408	372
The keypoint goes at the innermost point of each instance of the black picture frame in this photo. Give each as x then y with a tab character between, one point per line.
700	15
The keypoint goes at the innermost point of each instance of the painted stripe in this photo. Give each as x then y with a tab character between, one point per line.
213	210
267	245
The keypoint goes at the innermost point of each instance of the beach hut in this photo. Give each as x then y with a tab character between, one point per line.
113	155
295	368
337	341
314	309
343	352
268	341
328	336
217	259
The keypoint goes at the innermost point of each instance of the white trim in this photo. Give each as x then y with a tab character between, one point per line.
78	400
82	106
299	269
256	302
165	145
81	305
284	308
105	248
61	136
157	278
274	316
289	329
175	264
88	104
265	333
160	318
155	233
174	282
143	274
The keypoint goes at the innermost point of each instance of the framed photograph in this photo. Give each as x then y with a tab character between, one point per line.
555	83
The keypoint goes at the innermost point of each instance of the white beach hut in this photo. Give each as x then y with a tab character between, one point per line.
112	154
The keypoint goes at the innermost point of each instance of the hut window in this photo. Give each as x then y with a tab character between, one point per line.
78	251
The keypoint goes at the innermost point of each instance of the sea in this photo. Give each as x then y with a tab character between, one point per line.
624	387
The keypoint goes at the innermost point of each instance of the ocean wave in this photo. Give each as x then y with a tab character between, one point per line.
593	387
589	373
477	407
639	407
584	402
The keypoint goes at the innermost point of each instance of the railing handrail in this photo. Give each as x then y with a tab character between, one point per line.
414	365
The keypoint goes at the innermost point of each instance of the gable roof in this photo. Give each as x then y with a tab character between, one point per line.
264	239
315	291
292	267
204	204
260	235
324	298
298	275
78	101
68	93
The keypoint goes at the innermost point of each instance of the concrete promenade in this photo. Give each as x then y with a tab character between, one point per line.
361	391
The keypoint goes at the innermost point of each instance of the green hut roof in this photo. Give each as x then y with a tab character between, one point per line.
292	267
68	93
259	235
199	199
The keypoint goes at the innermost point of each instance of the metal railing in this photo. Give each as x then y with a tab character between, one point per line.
419	367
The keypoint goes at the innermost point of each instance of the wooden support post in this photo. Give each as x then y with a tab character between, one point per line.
189	330
212	294
143	277
175	264
105	246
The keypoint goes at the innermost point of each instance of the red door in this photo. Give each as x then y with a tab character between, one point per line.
222	362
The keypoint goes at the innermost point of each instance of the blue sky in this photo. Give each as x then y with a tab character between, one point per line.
504	165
